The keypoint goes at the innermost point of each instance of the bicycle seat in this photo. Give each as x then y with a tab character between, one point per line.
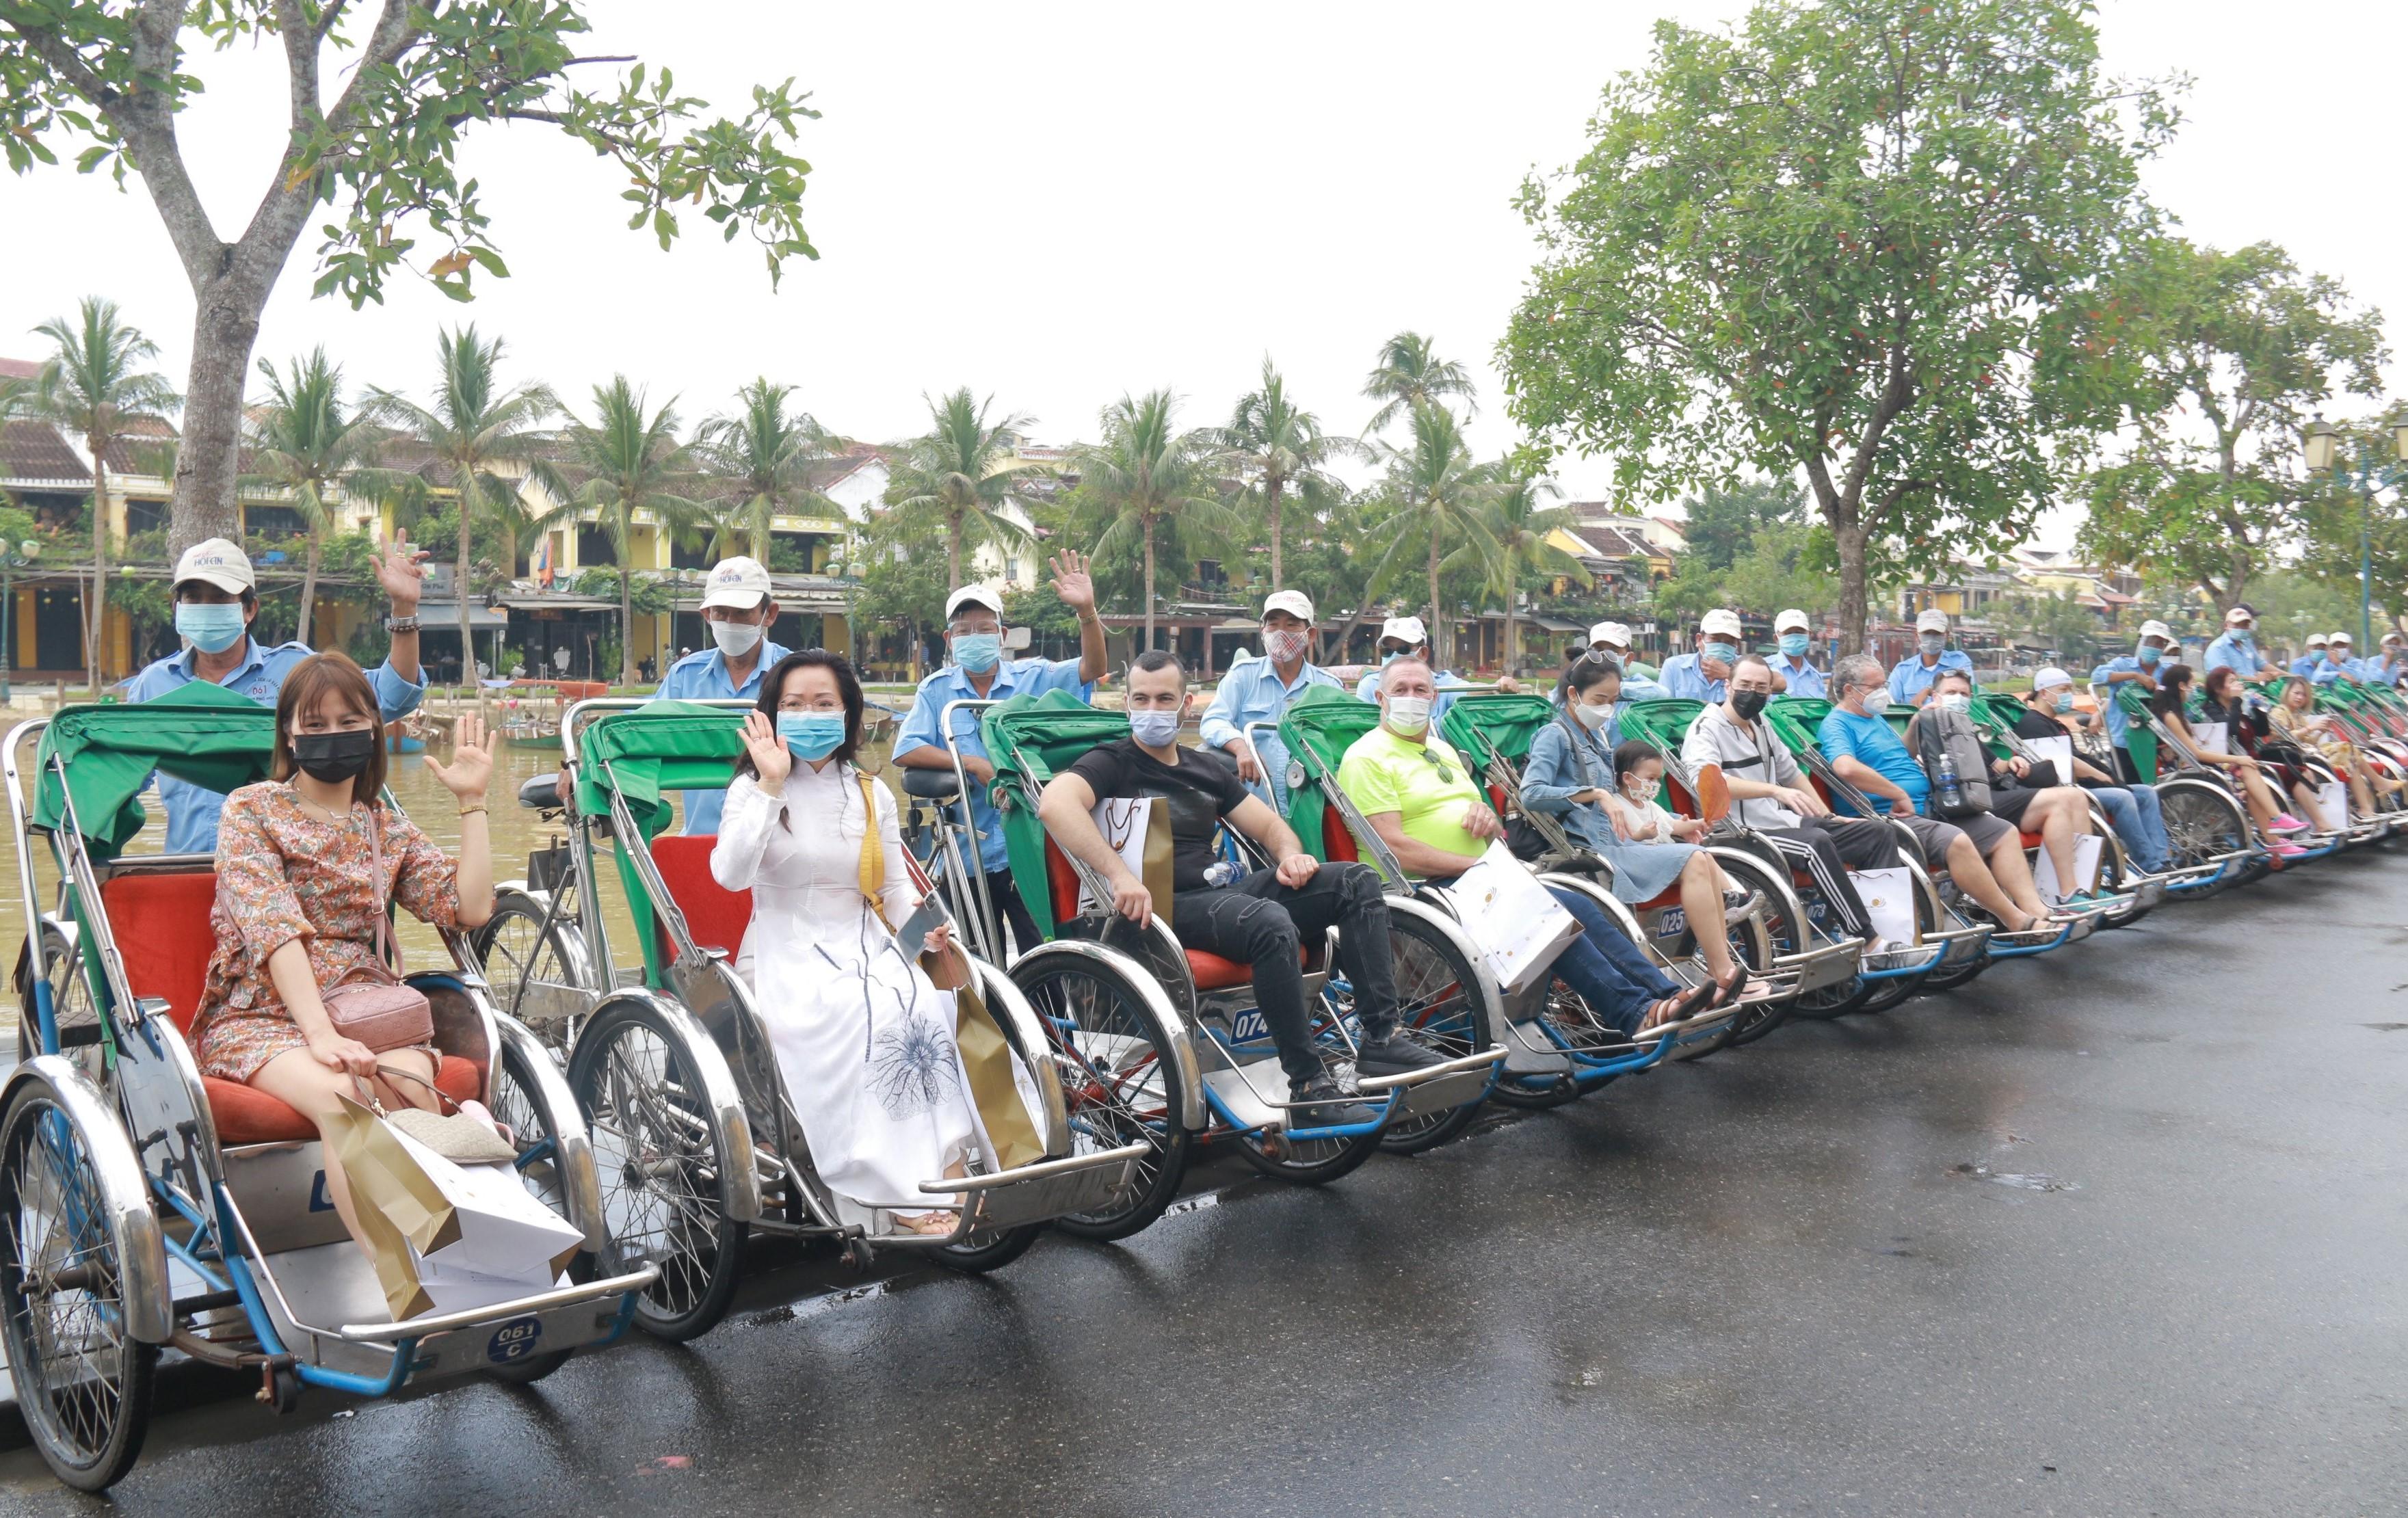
542	793
931	784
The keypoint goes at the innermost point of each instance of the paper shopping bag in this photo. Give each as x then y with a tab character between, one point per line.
994	1079
2087	851
2333	801
2058	751
476	1217
2215	738
357	1143
452	1289
1518	925
1138	830
1888	896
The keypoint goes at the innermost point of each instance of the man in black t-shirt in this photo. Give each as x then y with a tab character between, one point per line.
1260	920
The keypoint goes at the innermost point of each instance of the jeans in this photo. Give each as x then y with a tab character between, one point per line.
1606	969
2138	821
1256	922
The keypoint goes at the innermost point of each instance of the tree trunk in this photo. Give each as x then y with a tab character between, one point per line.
469	486
1437	643
302	630
626	627
1149	584
1850	539
1273	489
98	610
1513	644
954	554
209	453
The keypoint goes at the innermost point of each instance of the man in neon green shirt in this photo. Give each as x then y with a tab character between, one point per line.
1423	801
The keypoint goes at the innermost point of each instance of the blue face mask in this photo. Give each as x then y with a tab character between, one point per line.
812	735
212	627
1155	729
978	652
2065	700
1718	652
2149	655
1793	644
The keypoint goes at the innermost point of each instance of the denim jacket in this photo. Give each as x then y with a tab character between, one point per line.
1560	764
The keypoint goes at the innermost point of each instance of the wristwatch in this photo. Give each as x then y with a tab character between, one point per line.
402	625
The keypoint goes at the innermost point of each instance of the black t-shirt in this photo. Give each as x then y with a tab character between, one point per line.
2033	723
1201	791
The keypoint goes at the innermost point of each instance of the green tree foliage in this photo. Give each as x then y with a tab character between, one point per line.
1519	522
304	445
901	587
763	452
1409	373
631	462
1150	485
1863	239
2336	507
1778	571
1723	521
2232	352
960	477
1281	450
2058	622
1432	514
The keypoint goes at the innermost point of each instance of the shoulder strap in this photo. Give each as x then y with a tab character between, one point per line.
388	946
873	856
1580	751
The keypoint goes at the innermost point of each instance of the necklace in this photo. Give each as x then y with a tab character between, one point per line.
327	812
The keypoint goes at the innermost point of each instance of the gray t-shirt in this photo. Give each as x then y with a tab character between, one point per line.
1744	753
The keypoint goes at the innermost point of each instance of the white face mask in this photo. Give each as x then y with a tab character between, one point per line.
1408	715
1637	790
1592	716
1956	701
736	638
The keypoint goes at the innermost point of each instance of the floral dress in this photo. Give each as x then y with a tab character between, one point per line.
285	873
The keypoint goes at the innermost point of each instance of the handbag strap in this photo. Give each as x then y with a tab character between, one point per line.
1580	748
873	857
388	945
368	1095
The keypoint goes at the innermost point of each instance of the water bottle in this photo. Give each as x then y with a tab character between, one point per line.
1223	872
1952	795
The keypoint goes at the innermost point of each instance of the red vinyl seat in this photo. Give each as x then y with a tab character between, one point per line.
716	916
1336	843
161	923
1211	971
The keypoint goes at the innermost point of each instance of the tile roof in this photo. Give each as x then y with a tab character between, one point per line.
18	368
34	450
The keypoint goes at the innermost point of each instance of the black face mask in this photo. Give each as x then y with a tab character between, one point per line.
1748	703
333	757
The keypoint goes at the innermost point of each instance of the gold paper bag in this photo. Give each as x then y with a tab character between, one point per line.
380	1196
986	1061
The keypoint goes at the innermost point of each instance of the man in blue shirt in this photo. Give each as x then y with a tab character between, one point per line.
216	596
980	672
2385	669
2338	662
1910	683
2236	647
1611	641
1705	674
2137	667
1798	675
738	609
1258	687
1405	637
2306	665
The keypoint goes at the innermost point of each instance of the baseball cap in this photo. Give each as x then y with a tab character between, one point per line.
2315	641
2049	678
2342	638
1792	618
2153	628
216	561
1720	620
1616	634
1933	620
738	582
974	594
1404	630
1295	603
2237	615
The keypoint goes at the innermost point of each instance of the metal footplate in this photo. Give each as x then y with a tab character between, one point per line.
1438	1088
1815	968
1041	1192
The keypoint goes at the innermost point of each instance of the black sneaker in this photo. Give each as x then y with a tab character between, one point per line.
1395	1054
1333	1107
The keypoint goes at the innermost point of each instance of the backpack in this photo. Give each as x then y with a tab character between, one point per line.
1939	731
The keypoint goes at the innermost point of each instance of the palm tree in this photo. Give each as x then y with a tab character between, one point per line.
1519	522
957	478
630	461
1409	373
473	425
1144	479
96	385
1436	505
766	453
304	445
1280	446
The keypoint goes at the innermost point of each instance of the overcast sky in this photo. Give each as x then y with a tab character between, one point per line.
1055	203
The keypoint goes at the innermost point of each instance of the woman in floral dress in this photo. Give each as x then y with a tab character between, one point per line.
297	905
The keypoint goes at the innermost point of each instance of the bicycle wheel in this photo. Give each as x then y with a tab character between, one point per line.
2202	822
659	1161
1787	938
533	968
83	1381
1438	1007
1120	1076
73	1012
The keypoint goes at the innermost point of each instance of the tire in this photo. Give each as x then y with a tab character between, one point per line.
1752	946
1437	1004
2202	822
88	1425
1121	1080
990	1251
1829	1001
514	1107
659	1158
2113	866
516	946
1570	1023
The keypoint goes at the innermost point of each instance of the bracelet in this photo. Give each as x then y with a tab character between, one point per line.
471	811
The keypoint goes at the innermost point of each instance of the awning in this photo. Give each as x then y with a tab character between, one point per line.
1557	625
444	616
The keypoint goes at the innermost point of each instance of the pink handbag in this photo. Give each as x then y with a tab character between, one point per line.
371	1004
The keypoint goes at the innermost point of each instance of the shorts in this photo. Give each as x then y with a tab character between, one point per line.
2011	805
1985	828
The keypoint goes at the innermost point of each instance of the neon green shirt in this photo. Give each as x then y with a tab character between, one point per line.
1427	784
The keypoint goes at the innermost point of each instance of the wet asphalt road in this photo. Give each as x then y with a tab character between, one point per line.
2114	1231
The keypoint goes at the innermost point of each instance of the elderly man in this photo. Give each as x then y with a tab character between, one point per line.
1705	674
2338	661
737	611
1403	637
2236	647
2137	667
1910	683
980	672
216	596
1258	687
1795	670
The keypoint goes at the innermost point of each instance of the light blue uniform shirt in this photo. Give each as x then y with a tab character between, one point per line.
1251	692
1680	676
922	729
1912	676
1803	678
2329	670
703	676
2109	712
192	810
2306	666
2235	651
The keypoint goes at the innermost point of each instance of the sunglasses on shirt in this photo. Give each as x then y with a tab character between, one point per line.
1445	771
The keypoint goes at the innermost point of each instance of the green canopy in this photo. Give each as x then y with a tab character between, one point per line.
1318	727
201	732
1481	723
1033	738
1796	720
659	746
2140	735
1663	722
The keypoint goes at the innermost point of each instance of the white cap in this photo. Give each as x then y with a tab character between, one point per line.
2237	615
1612	634
2049	678
974	594
216	561
1789	619
1933	620
2315	641
738	582
1408	630
2153	628
2389	639
2340	638
1295	603
1720	620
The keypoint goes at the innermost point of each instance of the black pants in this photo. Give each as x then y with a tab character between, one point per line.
1008	904
1259	922
1824	850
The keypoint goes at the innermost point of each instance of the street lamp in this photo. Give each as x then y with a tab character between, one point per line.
20	557
2322	447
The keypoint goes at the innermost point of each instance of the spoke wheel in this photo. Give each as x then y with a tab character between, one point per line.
1569	1024
518	951
660	1166
74	1011
1438	1007
1120	1083
513	1105
83	1383
1789	937
2202	824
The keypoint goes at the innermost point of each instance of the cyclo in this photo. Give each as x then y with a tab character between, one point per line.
2360	713
1494	732
143	1204
1555	1047
698	1140
2118	876
2207	823
1166	1045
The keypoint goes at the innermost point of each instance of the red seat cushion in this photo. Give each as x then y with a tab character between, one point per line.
1061	882
1214	973
1668	896
247	1116
1336	843
2031	840
715	915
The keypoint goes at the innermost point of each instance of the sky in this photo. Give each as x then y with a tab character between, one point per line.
1054	204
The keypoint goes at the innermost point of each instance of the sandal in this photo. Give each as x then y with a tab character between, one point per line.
1734	990
1680	1009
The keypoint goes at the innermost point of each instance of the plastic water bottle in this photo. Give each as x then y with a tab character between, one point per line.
1952	794
1223	872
